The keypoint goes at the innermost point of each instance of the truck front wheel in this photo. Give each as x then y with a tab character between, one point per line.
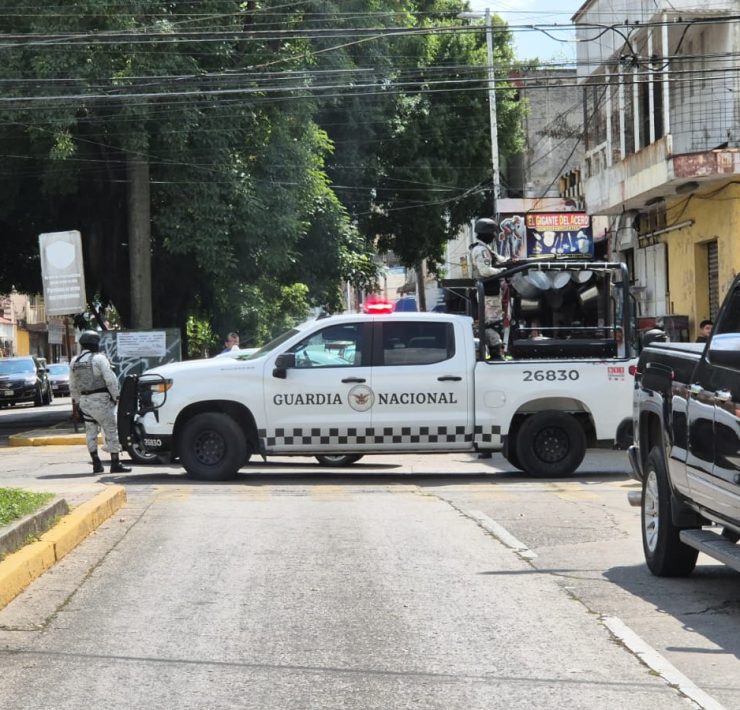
550	444
665	554
142	457
212	447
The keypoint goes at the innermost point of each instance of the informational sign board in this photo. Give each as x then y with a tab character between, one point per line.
559	234
62	273
133	352
148	343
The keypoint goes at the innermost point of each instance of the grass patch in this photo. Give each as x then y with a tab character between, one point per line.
15	503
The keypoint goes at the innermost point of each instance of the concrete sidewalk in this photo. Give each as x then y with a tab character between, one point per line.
35	543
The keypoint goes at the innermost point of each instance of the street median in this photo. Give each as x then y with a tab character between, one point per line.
21	568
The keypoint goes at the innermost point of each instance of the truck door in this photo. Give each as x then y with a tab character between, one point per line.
718	381
322	402
422	386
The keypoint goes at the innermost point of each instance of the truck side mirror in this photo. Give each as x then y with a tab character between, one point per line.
283	363
657	377
724	350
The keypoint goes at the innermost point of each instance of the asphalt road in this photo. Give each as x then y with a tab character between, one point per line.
26	417
413	581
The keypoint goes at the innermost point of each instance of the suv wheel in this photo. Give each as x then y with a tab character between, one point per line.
665	554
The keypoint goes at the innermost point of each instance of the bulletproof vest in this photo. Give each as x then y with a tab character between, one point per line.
82	370
492	287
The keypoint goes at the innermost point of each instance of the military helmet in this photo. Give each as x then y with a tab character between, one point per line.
90	339
486	229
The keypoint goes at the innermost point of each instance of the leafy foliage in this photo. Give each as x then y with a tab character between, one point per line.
285	142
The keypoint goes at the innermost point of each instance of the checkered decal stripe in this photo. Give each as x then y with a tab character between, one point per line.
488	435
298	437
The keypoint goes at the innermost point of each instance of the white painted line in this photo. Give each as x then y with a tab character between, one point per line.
502	534
653	660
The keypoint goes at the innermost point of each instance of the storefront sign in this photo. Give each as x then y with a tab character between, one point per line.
559	234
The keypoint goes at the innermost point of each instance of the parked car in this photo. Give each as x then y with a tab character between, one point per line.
24	379
59	378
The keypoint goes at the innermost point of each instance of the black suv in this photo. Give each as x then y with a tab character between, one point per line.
24	379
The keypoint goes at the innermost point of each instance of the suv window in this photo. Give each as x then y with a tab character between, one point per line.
417	343
730	322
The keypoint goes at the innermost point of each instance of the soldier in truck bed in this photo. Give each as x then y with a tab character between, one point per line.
484	258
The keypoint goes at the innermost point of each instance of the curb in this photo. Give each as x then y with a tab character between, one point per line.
60	439
30	439
19	569
14	537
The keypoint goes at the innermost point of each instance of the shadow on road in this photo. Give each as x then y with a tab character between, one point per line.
360	474
707	603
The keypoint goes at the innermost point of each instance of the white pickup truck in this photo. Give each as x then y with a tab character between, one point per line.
346	386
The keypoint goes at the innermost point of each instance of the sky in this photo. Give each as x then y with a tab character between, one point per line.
530	43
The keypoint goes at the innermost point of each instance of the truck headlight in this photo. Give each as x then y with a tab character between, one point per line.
153	393
160	387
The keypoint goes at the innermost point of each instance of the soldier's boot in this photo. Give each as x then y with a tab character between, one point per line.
96	462
116	466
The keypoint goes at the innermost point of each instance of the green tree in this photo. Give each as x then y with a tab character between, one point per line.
235	183
284	143
436	172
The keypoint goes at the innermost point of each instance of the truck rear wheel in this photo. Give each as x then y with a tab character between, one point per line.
212	447
665	554
338	460
550	444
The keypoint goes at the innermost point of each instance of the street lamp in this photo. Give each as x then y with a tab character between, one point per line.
491	97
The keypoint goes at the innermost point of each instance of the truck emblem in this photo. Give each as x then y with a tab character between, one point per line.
361	398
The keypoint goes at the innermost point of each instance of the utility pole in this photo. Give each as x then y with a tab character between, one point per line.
492	111
139	241
486	15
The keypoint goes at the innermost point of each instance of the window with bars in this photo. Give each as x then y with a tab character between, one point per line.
713	279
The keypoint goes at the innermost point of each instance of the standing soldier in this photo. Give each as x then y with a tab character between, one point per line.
484	258
94	390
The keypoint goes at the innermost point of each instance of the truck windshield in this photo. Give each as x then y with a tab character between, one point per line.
270	346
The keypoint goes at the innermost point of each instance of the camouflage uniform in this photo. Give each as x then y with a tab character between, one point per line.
483	259
94	387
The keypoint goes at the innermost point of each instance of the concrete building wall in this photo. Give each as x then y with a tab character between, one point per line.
715	219
552	127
